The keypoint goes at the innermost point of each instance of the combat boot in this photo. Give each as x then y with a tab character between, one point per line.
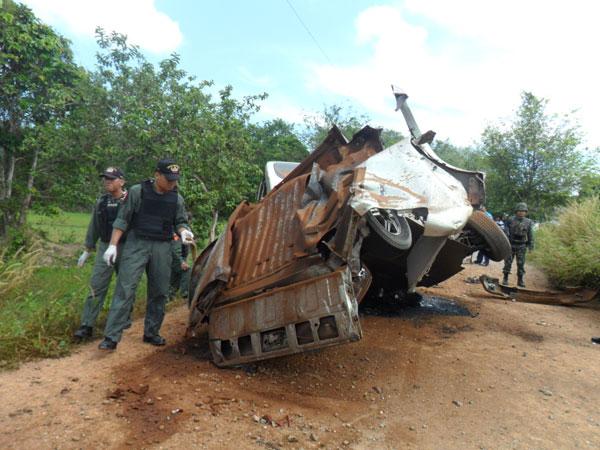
520	281
83	333
505	279
108	344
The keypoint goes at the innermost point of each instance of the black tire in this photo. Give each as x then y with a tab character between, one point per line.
390	227
497	244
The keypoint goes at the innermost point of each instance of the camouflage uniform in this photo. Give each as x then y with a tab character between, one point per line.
520	234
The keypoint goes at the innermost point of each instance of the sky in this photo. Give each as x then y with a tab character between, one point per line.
463	63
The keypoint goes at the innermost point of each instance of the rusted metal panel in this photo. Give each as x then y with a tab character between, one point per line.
311	314
567	297
264	239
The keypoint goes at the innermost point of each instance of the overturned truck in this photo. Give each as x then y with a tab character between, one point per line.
352	219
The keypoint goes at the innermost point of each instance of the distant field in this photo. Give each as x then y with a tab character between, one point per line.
63	228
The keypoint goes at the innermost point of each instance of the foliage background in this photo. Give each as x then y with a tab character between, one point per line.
568	249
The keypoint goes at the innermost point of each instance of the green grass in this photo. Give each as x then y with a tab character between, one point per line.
569	250
38	320
62	228
40	313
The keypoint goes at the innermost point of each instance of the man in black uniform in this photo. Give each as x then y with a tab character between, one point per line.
151	214
100	228
520	234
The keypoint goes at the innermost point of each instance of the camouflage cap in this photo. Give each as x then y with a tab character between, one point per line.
521	207
112	173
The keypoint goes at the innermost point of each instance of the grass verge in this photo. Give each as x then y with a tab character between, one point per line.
568	250
61	228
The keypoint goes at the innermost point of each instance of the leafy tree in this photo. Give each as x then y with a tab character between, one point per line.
463	157
590	185
317	126
134	113
37	79
535	159
275	140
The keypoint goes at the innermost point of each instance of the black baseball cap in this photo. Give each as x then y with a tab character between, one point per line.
169	168
112	173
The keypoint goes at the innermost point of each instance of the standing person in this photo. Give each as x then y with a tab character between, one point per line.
151	214
520	234
100	228
483	258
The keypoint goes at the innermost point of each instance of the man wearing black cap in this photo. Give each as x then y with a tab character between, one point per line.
100	228
152	212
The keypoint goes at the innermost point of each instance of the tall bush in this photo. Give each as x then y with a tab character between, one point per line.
568	249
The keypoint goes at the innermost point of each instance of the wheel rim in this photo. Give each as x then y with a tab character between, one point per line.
388	220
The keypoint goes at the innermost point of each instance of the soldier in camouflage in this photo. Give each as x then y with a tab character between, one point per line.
519	230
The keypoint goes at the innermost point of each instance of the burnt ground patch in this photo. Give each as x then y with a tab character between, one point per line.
409	308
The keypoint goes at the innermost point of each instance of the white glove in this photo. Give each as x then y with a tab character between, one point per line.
110	255
83	258
187	237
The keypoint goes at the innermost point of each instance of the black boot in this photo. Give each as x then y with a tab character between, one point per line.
107	344
505	279
520	281
83	333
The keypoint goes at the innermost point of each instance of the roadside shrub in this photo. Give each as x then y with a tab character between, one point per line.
569	249
17	268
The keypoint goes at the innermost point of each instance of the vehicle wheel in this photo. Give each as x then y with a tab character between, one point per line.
497	244
390	227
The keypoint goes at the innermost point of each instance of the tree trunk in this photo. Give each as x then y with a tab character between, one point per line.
213	226
8	173
27	200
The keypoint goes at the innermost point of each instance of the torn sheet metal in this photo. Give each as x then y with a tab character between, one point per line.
402	179
567	297
315	313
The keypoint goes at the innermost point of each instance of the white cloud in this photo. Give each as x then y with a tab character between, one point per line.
464	63
279	106
144	25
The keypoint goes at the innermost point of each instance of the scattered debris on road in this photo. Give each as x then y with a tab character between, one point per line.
567	297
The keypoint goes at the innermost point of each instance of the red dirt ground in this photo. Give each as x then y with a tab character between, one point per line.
511	375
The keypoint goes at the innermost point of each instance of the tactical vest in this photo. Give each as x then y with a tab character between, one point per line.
156	217
518	231
107	213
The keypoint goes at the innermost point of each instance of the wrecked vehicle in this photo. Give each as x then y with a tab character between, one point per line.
289	271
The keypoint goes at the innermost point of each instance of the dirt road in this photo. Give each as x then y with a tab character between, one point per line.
507	375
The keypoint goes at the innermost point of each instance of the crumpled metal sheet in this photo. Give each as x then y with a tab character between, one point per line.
243	332
276	242
402	179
